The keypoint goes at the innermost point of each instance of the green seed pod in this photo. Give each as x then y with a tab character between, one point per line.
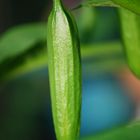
64	72
131	37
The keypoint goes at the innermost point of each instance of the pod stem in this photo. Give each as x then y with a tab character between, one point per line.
57	4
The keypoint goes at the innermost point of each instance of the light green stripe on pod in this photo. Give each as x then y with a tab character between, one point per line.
131	36
64	63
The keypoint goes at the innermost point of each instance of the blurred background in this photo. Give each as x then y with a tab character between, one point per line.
111	94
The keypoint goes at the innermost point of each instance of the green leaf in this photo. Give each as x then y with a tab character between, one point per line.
31	61
133	5
129	132
19	39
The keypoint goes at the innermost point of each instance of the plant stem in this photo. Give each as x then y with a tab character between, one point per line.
56	4
97	4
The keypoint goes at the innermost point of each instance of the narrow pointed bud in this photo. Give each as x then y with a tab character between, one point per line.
64	72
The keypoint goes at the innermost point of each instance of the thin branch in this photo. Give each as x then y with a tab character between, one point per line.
96	4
